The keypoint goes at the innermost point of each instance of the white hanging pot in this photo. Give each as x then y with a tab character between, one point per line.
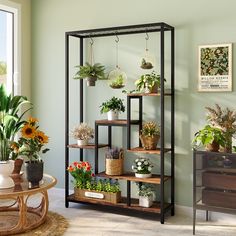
143	175
6	168
83	142
145	201
112	115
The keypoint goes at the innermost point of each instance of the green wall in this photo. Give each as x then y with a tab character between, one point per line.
196	22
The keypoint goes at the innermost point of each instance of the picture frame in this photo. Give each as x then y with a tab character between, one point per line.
215	68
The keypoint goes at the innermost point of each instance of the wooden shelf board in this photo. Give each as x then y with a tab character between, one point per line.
221	170
155	179
141	150
155	208
120	122
166	93
89	146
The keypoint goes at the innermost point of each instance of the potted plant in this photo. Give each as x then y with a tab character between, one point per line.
10	124
142	168
86	186
112	107
146	64
31	145
210	137
149	83
90	72
83	133
118	82
146	194
150	135
224	119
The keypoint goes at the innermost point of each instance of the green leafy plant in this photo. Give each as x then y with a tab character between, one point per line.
208	135
145	190
114	104
88	71
148	81
118	82
10	120
150	128
142	166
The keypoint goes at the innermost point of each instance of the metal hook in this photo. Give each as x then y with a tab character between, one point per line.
117	39
147	36
91	40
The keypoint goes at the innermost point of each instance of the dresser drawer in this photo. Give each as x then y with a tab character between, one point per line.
219	180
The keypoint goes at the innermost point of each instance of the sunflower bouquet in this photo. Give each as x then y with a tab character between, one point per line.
32	141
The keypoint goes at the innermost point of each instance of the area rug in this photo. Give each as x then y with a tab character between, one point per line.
55	225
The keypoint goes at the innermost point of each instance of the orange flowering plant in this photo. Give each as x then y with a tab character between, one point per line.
82	173
31	142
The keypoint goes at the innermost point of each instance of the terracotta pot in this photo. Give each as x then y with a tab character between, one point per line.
214	147
149	142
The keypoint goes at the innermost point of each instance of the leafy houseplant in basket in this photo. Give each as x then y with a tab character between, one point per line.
112	107
142	168
90	72
149	83
210	137
10	123
88	187
146	194
83	133
150	135
31	145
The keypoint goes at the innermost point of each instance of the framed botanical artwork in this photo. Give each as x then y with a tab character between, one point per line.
215	68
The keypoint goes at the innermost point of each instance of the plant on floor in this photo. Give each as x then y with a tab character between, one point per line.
224	119
142	166
10	120
90	72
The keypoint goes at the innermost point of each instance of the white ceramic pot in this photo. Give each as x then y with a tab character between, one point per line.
6	168
145	201
143	175
112	115
82	142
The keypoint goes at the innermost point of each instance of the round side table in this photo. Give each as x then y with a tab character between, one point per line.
16	216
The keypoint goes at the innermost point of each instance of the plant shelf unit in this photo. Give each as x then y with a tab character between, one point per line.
161	207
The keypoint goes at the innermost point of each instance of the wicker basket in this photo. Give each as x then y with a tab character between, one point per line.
115	166
148	142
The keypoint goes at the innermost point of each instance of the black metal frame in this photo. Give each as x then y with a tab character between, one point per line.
125	30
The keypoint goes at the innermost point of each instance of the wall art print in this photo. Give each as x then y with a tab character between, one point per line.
215	68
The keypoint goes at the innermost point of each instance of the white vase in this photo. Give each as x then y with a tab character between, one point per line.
83	142
112	115
143	175
6	168
145	201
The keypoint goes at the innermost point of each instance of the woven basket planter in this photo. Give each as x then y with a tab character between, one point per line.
115	166
149	142
82	194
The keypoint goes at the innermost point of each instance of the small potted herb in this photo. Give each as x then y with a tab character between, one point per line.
146	194
210	137
90	72
150	135
149	83
142	168
83	133
112	107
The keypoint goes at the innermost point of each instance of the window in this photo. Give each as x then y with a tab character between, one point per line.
9	46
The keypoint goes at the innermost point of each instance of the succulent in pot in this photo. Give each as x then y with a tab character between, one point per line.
112	107
210	137
142	168
83	133
150	135
90	72
149	83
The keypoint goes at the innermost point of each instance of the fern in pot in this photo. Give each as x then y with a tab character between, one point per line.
112	107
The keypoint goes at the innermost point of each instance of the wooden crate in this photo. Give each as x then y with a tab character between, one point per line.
98	196
219	180
219	198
